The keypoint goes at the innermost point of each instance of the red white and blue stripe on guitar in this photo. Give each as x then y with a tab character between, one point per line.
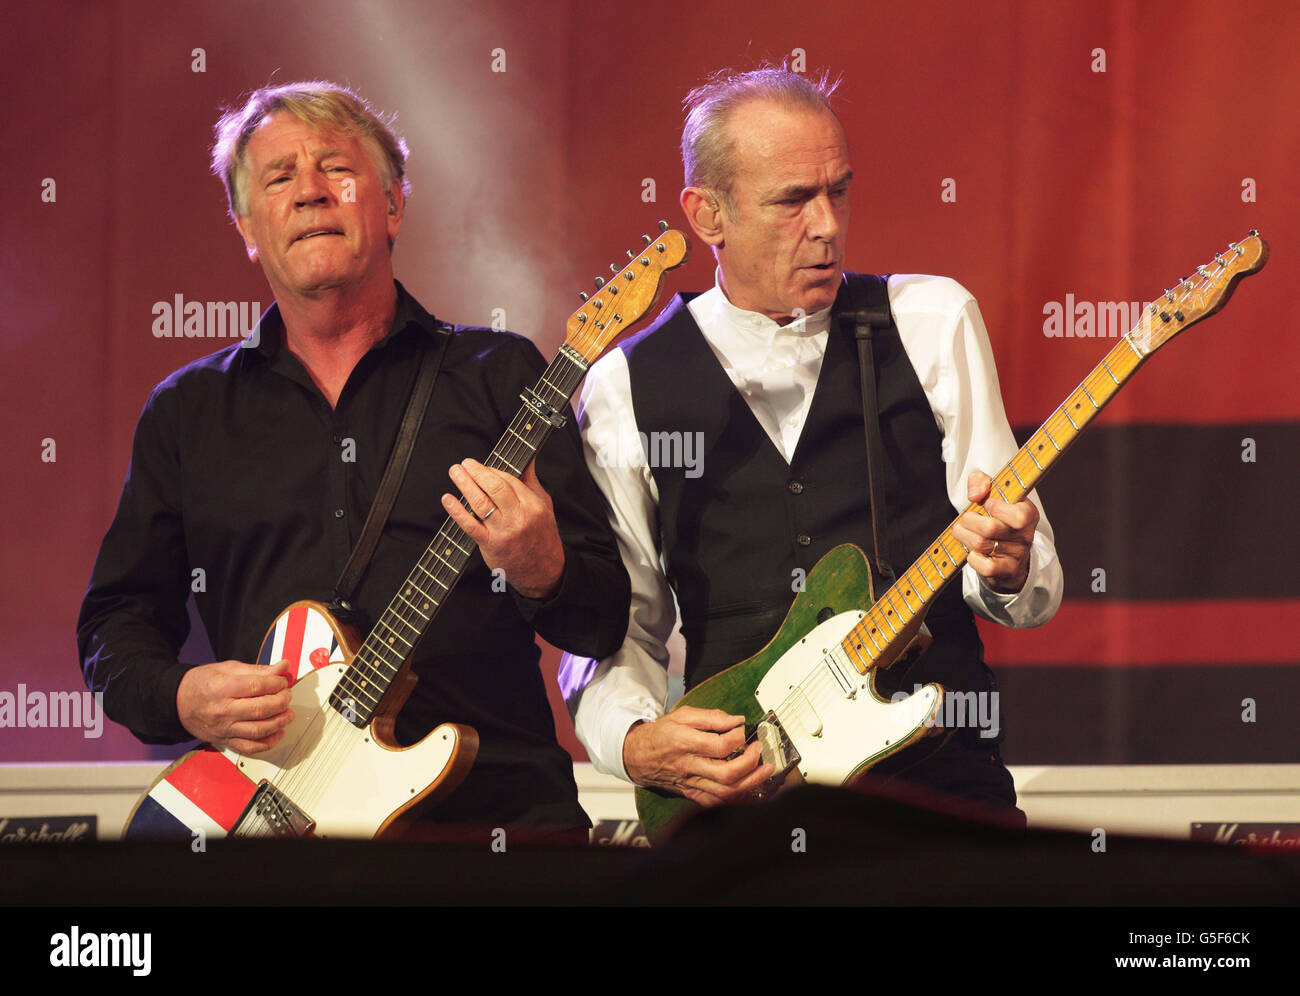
206	790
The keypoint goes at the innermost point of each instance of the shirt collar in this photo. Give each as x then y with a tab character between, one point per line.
749	336
268	336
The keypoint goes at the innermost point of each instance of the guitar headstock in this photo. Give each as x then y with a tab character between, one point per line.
1198	296
624	300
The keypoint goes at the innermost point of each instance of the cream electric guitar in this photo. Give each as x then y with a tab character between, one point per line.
338	771
809	696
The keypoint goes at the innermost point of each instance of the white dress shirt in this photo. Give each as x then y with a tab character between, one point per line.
775	368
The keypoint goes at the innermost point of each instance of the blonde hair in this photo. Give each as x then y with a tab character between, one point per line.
324	106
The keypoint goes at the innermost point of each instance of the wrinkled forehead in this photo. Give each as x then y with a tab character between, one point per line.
775	143
281	134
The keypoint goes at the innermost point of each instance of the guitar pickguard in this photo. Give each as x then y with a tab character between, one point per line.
832	714
336	778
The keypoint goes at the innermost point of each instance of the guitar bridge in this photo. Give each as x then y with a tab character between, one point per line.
270	813
774	748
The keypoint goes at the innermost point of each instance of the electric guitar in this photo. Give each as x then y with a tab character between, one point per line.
339	771
809	697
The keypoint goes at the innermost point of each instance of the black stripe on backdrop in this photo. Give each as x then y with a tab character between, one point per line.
1177	511
1150	715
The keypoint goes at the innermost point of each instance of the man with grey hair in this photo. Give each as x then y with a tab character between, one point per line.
254	468
774	379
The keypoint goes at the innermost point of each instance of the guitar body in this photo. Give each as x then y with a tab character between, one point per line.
344	780
815	713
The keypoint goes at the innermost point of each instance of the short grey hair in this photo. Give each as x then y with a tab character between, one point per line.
324	106
708	151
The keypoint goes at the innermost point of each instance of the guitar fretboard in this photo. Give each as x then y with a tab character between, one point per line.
916	587
408	615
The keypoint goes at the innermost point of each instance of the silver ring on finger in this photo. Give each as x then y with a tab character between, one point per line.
484	518
994	553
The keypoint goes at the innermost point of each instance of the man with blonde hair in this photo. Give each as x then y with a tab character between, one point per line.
258	464
774	377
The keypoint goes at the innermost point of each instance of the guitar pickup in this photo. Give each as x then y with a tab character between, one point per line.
278	816
847	688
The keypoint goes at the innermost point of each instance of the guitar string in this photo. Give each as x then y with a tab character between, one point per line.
322	766
584	342
819	679
324	762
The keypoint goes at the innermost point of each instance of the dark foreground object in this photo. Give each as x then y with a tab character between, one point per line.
810	846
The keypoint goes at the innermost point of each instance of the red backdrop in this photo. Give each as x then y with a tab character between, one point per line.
1100	150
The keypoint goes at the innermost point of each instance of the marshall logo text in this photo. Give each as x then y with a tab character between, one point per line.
1249	834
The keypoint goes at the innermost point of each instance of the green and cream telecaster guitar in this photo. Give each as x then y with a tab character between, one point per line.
809	697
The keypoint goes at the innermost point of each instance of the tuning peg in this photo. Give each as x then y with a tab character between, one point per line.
646	239
613	268
600	282
629	254
663	226
582	294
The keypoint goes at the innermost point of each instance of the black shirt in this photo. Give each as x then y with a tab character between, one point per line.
248	490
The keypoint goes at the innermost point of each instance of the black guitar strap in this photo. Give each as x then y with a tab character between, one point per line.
866	306
430	363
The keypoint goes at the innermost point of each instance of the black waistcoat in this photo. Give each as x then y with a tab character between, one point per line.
738	524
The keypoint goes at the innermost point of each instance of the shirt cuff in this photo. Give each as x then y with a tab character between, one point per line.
162	703
614	729
1032	605
530	608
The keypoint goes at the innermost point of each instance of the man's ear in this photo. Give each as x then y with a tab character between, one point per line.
704	214
241	223
396	206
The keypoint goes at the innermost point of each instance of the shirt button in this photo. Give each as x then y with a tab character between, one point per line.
803	539
796	488
338	513
336	438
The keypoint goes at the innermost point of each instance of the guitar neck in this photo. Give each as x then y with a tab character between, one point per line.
618	305
920	584
412	609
